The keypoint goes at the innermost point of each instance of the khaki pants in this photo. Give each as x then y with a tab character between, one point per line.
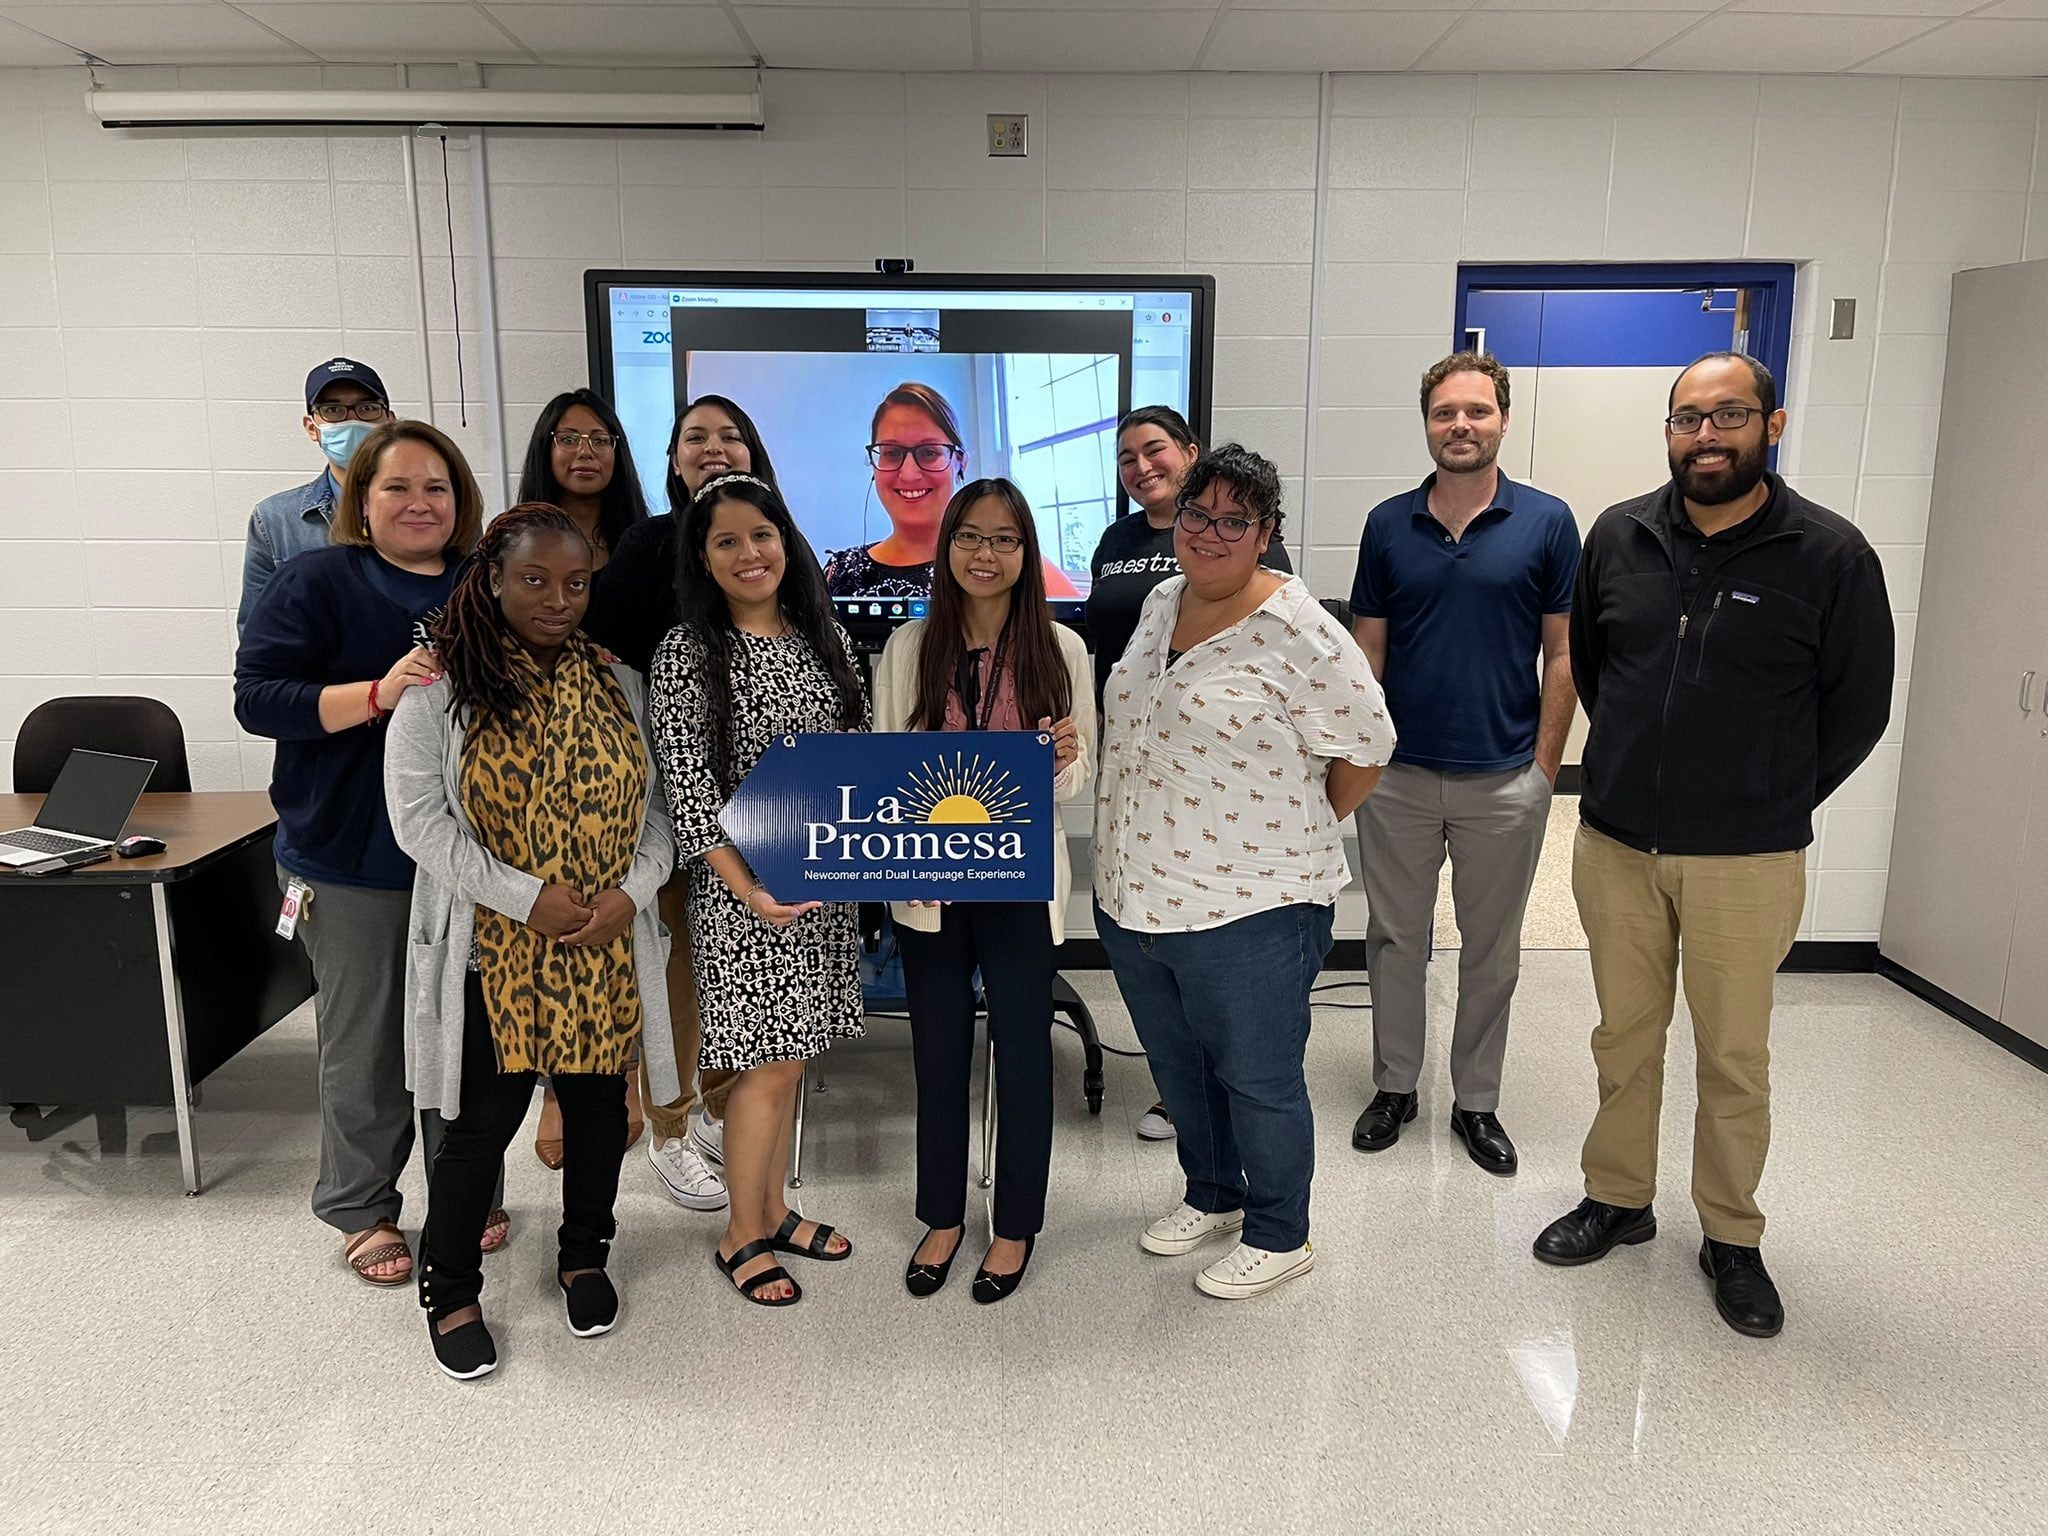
1735	919
685	1028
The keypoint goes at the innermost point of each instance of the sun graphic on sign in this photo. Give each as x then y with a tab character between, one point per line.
963	790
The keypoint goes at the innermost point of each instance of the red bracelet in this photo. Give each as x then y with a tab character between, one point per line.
376	714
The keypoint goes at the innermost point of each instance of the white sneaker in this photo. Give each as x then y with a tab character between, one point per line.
1186	1229
1247	1271
707	1136
684	1175
1156	1125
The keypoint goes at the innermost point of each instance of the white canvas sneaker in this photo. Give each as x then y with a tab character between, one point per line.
684	1175
1247	1271
707	1136
1185	1229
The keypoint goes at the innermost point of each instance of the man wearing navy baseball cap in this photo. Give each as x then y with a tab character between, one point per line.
345	402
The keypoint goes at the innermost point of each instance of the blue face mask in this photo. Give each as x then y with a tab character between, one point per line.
339	440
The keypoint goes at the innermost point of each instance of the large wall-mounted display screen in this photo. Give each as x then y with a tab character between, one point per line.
876	397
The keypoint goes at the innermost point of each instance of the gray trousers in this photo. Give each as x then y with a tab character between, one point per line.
1492	826
356	938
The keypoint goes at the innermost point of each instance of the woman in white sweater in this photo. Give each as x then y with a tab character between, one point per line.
988	658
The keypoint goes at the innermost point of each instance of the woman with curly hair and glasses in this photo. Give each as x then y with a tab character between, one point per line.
1240	727
521	786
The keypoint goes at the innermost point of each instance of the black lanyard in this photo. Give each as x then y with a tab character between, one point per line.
967	683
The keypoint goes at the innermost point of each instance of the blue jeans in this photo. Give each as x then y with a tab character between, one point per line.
1223	1014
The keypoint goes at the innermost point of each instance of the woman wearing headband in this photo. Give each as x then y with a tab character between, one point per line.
632	607
757	656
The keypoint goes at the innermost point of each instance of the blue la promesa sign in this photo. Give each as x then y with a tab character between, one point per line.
908	816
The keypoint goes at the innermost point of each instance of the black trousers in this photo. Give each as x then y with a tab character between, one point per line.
463	1179
1010	942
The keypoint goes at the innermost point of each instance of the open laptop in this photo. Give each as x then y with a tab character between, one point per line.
84	812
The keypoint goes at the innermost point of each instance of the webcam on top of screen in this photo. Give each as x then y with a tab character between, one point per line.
895	266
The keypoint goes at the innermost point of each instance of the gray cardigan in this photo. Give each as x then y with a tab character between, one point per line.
422	785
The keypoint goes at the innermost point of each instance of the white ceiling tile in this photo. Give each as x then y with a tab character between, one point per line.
1588	5
1971	47
1785	44
799	37
1352	5
19	45
1858	7
624	34
375	33
1325	40
157	34
2016	10
1109	5
1093	40
1568	40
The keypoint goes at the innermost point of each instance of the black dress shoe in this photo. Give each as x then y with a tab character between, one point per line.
923	1280
1591	1229
1380	1126
1743	1293
1481	1132
989	1288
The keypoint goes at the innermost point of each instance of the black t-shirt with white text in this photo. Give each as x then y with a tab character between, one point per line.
1132	558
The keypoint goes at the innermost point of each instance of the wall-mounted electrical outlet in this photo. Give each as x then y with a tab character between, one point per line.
1006	133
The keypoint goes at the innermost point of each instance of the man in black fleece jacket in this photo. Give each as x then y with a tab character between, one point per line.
1732	643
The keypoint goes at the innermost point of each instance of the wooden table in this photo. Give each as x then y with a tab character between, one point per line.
132	981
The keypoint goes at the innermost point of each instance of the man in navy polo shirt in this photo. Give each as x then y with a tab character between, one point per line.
1463	585
345	402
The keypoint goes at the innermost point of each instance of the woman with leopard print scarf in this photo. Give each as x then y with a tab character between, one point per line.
524	791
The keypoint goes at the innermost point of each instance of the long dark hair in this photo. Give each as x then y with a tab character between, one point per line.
1031	649
758	464
469	634
707	615
622	503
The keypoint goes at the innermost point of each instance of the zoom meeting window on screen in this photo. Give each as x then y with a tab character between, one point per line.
1027	385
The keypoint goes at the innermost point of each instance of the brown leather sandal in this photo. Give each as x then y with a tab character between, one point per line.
501	1220
547	1140
363	1256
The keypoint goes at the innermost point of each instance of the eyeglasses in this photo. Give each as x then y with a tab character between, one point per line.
601	443
331	411
1729	418
1230	527
1001	543
928	455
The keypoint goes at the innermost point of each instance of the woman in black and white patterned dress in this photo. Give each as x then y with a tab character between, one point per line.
756	656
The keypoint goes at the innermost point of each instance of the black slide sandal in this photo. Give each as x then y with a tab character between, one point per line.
769	1276
816	1249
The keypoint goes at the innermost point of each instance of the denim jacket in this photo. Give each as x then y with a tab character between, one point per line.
287	524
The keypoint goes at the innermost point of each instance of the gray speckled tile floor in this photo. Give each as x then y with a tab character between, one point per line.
175	1364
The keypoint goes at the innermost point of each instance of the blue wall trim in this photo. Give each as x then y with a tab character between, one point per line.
1599	323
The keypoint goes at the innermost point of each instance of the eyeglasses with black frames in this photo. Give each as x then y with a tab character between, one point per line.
1728	418
1001	543
930	456
333	411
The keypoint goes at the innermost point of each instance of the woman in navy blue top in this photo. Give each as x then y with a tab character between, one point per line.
327	651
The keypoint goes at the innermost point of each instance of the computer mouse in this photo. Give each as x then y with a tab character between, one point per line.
139	846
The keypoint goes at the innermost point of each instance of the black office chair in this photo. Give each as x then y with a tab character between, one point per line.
133	727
